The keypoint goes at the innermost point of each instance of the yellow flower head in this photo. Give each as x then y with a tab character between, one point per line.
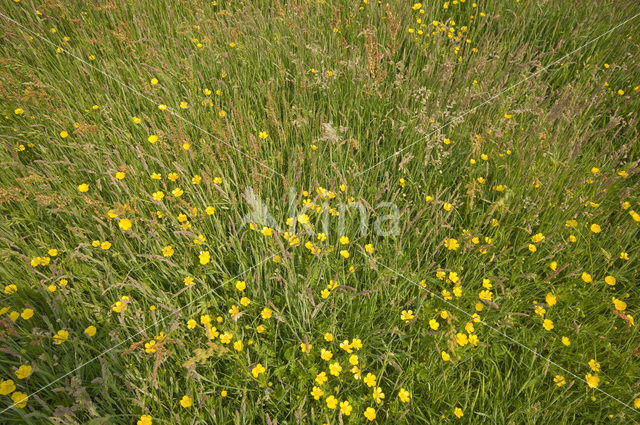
257	370
186	401
370	413
23	371
124	224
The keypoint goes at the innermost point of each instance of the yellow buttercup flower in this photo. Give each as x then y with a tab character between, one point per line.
186	401
404	395
345	408
592	380
124	224
378	395
257	370
19	399
335	369
204	257
370	413
60	337
7	387
23	371
619	304
145	420
551	299
316	392
451	244
321	378
332	402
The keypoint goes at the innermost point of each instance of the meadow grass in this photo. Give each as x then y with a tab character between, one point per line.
495	143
